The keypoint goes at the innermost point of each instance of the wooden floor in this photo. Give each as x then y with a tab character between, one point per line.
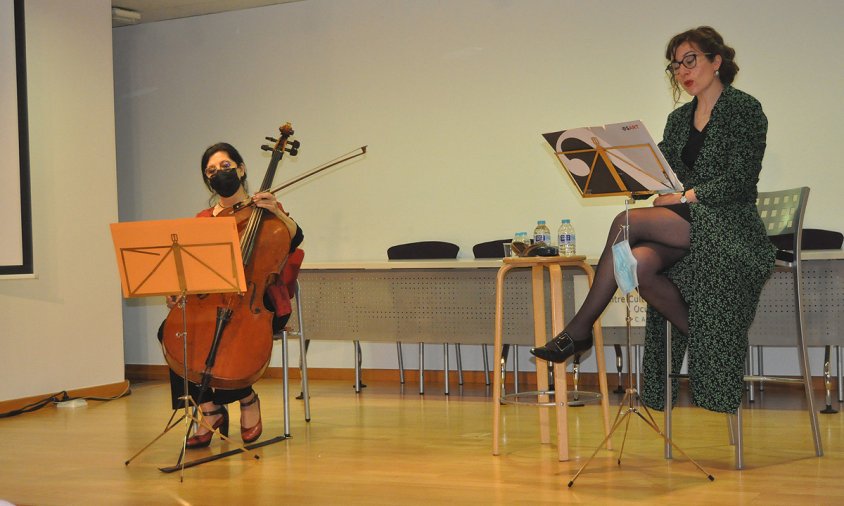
388	447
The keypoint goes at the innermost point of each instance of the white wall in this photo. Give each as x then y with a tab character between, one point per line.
62	329
451	98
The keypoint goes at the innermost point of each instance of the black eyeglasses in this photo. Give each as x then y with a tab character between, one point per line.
689	61
211	170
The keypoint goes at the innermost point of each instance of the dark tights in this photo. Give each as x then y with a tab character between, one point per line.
659	238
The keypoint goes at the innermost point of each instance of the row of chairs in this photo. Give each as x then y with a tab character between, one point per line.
432	250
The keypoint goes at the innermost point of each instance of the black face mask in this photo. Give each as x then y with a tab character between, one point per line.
225	182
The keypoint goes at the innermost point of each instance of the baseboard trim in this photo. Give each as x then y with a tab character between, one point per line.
143	372
101	391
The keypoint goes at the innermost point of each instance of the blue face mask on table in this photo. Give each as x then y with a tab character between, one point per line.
624	267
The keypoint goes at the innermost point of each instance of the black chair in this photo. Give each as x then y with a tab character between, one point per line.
422	250
490	249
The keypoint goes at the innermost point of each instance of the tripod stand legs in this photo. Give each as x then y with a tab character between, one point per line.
193	415
631	400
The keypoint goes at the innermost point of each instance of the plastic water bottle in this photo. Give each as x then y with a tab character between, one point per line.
542	234
565	236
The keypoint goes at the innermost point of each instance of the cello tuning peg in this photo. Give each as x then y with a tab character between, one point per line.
293	148
271	139
266	148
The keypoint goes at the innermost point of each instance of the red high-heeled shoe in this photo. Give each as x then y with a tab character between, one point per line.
222	423
252	433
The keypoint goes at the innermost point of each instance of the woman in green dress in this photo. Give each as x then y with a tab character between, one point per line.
702	255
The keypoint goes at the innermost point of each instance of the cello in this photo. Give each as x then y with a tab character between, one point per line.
230	334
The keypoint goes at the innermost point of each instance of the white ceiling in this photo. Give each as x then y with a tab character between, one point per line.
159	10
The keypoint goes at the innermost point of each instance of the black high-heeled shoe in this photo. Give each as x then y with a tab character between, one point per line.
562	347
222	423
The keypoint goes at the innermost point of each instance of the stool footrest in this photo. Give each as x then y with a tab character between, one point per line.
515	398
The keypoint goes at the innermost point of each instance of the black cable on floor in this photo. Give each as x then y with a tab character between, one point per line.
57	398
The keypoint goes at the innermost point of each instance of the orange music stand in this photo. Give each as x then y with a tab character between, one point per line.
183	256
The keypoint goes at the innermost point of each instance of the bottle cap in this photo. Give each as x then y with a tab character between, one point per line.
540	222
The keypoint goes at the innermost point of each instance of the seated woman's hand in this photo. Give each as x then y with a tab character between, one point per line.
667	199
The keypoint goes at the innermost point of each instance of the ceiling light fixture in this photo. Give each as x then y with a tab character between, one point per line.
125	16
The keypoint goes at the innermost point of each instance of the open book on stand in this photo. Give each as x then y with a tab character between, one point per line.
616	159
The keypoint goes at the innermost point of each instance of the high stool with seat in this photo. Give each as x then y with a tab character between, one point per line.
782	213
554	266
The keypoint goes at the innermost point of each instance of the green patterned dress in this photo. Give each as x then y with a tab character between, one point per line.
730	258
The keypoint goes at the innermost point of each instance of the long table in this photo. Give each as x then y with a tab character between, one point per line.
432	301
453	301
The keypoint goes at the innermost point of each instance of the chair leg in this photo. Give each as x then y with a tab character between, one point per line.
668	404
804	362
827	381
739	435
421	368
401	363
285	383
303	355
358	358
303	365
516	368
485	355
459	364
748	366
445	367
840	372
303	371
575	369
619	367
760	365
637	363
731	430
505	351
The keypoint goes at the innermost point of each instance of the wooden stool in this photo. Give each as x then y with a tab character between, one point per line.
538	265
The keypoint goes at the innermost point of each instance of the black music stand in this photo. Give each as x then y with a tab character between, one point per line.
187	256
618	160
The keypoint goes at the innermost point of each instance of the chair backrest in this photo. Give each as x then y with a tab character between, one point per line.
782	214
423	250
490	249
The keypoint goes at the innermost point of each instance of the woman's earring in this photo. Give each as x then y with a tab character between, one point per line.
717	73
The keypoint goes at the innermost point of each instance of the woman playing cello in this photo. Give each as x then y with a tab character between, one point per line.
224	173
